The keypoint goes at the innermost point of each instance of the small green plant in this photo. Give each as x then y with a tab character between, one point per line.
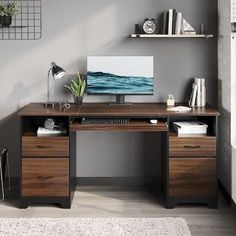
77	86
10	9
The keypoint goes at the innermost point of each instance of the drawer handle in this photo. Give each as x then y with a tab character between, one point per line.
45	177
191	147
43	147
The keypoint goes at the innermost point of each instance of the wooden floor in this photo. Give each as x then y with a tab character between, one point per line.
127	202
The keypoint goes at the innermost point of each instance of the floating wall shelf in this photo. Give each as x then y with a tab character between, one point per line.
171	36
27	24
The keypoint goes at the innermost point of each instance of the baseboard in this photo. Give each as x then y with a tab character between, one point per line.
118	181
107	181
226	195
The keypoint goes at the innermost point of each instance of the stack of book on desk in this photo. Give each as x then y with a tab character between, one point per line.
190	127
50	132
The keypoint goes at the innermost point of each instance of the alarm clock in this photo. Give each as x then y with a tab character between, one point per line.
149	26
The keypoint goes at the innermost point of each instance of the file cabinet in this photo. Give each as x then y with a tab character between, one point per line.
192	176
45	164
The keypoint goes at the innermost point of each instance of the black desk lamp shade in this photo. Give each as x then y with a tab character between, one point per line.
57	73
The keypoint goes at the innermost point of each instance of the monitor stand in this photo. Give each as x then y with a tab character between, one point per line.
120	100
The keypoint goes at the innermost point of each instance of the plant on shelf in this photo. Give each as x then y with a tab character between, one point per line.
77	88
6	13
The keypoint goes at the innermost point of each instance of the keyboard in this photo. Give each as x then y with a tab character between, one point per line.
104	121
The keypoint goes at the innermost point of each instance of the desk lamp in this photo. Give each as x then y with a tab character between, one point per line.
57	73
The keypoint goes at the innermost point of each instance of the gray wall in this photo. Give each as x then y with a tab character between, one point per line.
224	65
74	29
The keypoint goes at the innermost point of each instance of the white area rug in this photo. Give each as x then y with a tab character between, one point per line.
94	227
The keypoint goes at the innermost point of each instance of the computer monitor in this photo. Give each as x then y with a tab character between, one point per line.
120	76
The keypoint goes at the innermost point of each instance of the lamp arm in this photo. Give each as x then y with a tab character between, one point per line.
48	84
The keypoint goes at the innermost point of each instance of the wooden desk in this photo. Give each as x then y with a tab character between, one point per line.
48	163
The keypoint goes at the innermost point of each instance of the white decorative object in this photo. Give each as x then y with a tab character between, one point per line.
187	28
94	226
179	109
170	101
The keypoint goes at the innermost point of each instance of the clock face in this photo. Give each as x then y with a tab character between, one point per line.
149	26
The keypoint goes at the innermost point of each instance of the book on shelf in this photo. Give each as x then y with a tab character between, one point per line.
193	95
190	127
170	21
174	21
198	99
178	26
50	132
198	95
164	22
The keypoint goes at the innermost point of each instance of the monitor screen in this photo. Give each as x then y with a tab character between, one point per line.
120	75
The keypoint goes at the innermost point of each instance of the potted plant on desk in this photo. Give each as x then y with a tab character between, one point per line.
6	13
77	88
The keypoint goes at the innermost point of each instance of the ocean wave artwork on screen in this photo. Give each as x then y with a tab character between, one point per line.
107	83
120	75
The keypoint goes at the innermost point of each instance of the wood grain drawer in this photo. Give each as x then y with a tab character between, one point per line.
192	177
192	146
45	177
45	146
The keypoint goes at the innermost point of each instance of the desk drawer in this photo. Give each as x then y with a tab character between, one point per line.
45	146
192	177
192	146
45	177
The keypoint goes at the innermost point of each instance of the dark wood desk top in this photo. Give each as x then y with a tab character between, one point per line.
140	110
38	109
104	110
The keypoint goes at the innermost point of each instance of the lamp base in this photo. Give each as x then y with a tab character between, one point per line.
50	104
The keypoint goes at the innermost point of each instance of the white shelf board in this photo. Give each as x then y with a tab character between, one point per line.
171	36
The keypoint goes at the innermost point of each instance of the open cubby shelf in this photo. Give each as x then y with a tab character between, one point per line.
171	36
30	125
27	24
210	121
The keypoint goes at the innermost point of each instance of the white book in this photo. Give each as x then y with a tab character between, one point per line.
192	101
203	96
181	131
170	20
198	100
203	93
190	124
178	23
50	132
190	127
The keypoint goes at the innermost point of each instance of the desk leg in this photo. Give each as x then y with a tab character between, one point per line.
165	164
73	182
